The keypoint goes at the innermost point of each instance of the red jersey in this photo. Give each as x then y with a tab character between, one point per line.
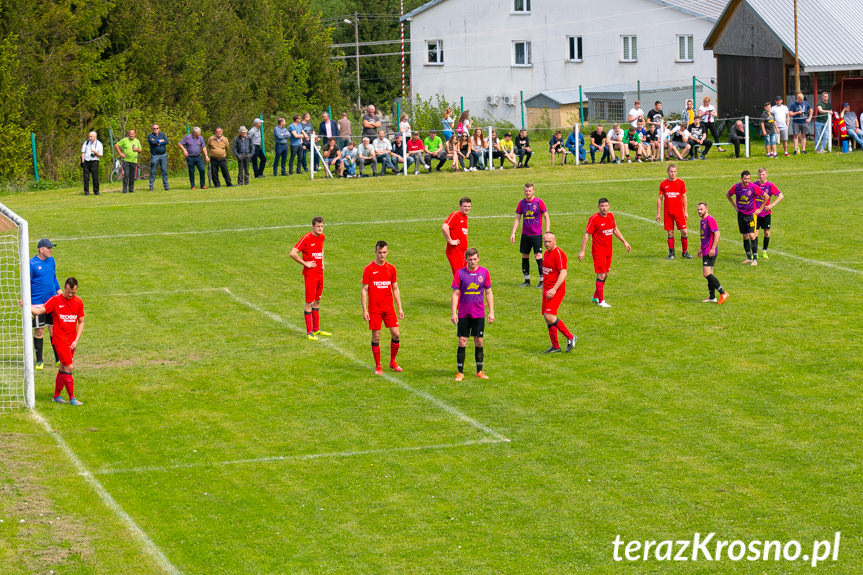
673	192
380	280
65	314
457	223
552	262
602	230
415	145
312	248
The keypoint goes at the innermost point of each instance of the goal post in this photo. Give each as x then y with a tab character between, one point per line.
16	332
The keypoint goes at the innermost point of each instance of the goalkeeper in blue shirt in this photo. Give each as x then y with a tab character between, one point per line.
43	286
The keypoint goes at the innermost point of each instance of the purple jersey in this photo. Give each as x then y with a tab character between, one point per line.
471	286
531	216
744	197
768	190
708	227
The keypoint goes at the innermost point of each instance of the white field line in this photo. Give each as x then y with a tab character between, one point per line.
418	392
370	190
158	292
772	251
303	457
294	226
146	543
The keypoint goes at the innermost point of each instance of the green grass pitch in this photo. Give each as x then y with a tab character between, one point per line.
236	446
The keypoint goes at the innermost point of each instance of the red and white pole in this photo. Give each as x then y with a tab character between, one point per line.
402	30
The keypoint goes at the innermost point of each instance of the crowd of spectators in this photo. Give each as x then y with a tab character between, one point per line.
333	148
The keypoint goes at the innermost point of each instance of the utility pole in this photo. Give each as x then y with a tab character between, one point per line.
356	23
796	58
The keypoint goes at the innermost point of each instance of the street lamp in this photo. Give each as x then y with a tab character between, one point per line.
356	23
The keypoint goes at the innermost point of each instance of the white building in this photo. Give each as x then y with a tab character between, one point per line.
489	52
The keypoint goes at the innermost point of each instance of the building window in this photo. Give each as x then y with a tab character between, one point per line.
629	51
521	6
608	110
521	53
685	48
434	55
574	48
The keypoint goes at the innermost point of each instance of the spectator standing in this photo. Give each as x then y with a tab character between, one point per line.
158	156
217	148
128	148
259	158
295	139
328	128
447	125
655	117
780	115
405	126
280	136
463	125
707	113
801	118
635	113
243	150
344	126
768	130
91	151
824	114
688	113
308	140
371	123
194	146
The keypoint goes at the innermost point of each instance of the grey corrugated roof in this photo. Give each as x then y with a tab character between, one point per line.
616	90
707	9
828	31
565	96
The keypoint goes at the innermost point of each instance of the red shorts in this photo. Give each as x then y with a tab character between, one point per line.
601	263
314	286
64	352
456	260
672	219
552	305
388	318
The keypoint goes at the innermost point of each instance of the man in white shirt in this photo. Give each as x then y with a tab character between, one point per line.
366	155
780	114
383	150
635	114
91	151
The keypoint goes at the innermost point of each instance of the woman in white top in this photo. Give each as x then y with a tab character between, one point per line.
479	148
707	113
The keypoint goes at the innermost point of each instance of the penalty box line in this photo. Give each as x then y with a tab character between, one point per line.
301	457
140	535
461	416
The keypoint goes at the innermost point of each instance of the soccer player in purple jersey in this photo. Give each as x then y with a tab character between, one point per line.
771	197
708	252
531	211
469	285
743	200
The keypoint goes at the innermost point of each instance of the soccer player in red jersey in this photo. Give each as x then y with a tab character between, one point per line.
67	314
672	197
379	290
600	227
309	253
553	289
455	231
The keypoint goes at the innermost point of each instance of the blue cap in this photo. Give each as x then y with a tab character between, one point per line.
46	243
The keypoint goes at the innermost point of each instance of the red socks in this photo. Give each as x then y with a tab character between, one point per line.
685	242
59	384
394	351
563	330
308	317
671	244
552	334
600	290
64	380
376	352
316	319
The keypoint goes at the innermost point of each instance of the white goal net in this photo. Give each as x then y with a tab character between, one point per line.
16	340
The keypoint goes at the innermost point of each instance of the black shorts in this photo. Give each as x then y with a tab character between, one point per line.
763	222
745	223
468	326
708	261
530	242
42	320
